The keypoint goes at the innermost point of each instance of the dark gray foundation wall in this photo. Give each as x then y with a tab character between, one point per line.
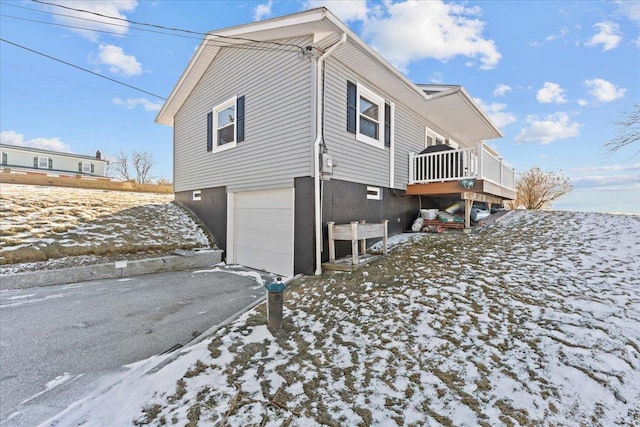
211	210
344	202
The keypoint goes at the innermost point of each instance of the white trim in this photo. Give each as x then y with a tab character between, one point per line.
46	162
392	154
88	164
232	102
231	228
362	91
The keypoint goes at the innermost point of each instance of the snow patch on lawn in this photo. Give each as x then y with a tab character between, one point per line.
533	321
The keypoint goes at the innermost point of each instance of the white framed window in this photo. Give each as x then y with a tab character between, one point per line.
224	125
370	117
86	167
43	163
374	193
196	195
434	138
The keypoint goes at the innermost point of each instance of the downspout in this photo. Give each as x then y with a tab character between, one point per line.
316	152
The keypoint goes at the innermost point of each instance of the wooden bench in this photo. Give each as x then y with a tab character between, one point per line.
356	231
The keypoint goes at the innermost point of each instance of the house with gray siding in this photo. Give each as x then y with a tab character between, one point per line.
281	126
51	162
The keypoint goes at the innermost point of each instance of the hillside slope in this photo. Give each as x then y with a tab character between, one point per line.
49	227
534	321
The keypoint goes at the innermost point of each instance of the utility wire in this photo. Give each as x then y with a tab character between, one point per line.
167	28
81	68
208	41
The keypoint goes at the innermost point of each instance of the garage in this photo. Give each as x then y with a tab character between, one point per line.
261	229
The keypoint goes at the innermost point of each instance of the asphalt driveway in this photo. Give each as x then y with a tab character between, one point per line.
56	342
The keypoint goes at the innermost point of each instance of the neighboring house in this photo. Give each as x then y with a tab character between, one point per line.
281	126
51	162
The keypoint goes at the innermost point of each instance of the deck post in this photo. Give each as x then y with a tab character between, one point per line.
363	242
411	160
384	237
468	203
354	242
480	162
332	243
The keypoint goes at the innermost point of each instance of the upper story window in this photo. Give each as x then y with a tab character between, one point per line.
43	163
369	117
434	138
225	125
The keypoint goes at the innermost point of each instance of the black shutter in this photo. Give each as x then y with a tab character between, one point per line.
351	106
92	168
240	119
210	131
50	163
35	162
80	167
387	125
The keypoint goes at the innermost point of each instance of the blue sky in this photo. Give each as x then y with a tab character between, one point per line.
554	76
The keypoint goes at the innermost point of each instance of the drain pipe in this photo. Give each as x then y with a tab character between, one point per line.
316	152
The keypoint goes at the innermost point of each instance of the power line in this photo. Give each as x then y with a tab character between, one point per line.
233	45
81	68
167	28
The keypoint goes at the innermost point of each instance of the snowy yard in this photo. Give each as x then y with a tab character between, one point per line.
535	320
48	227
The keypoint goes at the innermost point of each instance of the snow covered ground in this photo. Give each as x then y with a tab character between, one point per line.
535	320
51	227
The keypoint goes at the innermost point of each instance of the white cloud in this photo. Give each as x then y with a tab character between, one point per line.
608	36
11	137
551	37
604	91
551	93
262	11
552	127
115	8
583	102
132	103
496	113
346	10
615	168
501	90
630	9
118	61
411	30
609	181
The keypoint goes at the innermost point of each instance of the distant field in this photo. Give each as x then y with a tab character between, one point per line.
42	227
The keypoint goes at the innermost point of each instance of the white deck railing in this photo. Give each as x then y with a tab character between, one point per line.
454	165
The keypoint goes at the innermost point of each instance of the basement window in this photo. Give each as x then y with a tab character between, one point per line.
374	193
196	195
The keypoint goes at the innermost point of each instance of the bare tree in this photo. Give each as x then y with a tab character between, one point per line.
142	162
537	189
628	131
120	166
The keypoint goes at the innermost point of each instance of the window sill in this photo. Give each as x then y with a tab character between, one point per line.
225	147
370	141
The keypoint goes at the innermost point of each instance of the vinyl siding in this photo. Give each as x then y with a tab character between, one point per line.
356	161
278	126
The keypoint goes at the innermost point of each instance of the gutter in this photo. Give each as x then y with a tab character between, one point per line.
316	153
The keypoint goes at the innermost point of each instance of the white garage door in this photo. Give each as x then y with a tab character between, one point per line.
264	225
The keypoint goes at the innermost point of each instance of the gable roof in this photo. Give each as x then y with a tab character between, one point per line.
451	108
